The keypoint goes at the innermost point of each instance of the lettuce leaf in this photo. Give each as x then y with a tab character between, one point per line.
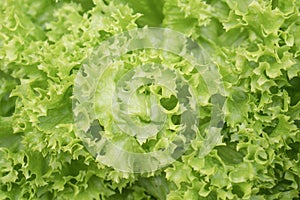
255	46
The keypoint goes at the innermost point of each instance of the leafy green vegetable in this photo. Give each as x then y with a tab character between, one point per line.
253	43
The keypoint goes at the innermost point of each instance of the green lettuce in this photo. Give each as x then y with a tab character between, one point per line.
253	43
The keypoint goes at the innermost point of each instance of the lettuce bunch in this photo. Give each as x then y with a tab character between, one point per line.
255	45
